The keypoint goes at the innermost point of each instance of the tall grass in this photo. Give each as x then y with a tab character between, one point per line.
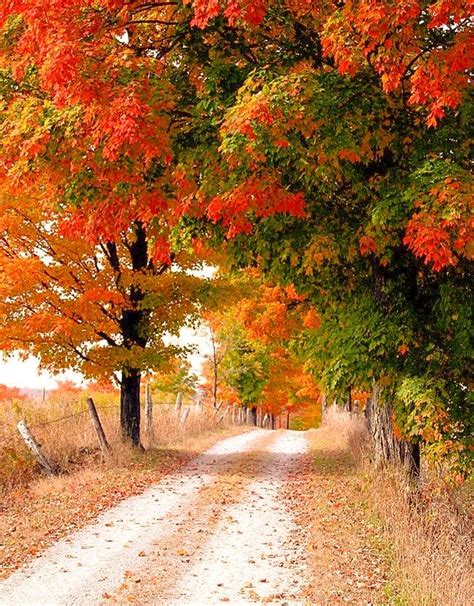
428	526
65	431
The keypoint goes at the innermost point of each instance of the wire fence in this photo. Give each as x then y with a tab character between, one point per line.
201	406
76	414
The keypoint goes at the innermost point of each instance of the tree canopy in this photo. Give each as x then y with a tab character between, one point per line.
327	144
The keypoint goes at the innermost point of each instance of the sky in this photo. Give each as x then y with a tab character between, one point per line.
25	374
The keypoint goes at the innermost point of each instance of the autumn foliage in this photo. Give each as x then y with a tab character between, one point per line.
325	143
421	50
7	394
253	364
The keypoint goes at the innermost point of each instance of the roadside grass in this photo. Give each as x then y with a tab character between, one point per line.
428	530
36	510
374	537
64	429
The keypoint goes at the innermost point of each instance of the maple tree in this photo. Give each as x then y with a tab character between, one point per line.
98	308
420	50
391	289
206	118
361	123
106	131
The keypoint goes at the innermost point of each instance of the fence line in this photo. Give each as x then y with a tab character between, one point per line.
81	412
76	414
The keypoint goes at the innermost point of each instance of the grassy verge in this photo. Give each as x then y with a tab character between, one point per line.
373	537
63	427
427	529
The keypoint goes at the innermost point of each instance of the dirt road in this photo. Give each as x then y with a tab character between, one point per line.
216	531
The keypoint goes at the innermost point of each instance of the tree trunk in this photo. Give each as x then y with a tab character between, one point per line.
253	415
272	421
149	410
288	419
130	406
135	328
387	448
324	406
414	466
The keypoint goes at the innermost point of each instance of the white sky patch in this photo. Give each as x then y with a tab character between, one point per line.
15	372
198	339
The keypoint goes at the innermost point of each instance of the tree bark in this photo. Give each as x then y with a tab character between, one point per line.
272	421
253	415
387	448
149	410
134	325
130	405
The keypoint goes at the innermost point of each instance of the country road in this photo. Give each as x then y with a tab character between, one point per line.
216	531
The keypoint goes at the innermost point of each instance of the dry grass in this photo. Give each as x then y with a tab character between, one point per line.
65	432
428	527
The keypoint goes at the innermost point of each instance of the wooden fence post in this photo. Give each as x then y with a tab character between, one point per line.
216	411
104	445
184	417
179	402
35	448
148	409
225	413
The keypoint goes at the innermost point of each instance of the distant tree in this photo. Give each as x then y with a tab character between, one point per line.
175	377
7	394
258	366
